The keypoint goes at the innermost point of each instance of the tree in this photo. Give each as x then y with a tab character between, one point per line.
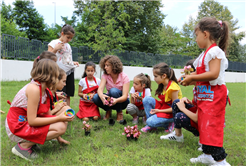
10	28
211	8
129	25
6	12
29	20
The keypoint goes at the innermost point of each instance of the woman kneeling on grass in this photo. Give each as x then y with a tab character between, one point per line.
29	120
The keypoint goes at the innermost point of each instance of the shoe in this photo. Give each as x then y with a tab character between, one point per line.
28	154
170	127
108	115
200	149
135	120
147	129
223	162
204	159
144	120
172	137
36	148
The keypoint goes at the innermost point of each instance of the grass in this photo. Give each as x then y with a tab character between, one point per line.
107	146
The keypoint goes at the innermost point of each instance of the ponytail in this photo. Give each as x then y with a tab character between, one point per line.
224	36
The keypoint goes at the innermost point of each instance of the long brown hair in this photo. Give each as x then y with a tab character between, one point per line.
45	55
218	31
160	69
144	79
46	71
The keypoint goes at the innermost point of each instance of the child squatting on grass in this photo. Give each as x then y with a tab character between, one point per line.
88	86
211	90
140	89
29	120
159	112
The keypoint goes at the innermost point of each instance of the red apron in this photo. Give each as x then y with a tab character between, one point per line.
18	122
88	109
163	105
52	98
211	102
140	104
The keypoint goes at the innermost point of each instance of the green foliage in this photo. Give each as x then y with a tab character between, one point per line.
128	25
29	20
6	12
10	27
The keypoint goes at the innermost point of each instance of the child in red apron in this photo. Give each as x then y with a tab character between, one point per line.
211	89
88	86
141	88
29	120
159	112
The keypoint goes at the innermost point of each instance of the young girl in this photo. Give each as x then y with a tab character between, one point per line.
117	84
211	89
185	115
141	88
88	86
51	56
159	113
65	61
29	120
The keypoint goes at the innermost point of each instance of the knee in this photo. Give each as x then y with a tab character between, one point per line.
130	109
62	128
150	122
95	98
147	100
114	92
174	103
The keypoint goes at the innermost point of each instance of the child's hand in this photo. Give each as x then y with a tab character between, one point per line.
63	118
60	96
59	46
187	80
180	78
154	111
59	104
91	95
181	105
76	63
186	100
84	96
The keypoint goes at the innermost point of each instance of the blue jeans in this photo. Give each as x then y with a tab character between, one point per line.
115	93
152	119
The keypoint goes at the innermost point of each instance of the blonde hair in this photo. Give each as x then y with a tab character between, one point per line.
47	71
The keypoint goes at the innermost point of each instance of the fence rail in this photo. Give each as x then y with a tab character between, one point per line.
20	48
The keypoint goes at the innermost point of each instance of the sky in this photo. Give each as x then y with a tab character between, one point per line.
177	11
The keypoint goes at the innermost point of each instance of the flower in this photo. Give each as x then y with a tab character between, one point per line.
132	131
187	69
86	126
109	101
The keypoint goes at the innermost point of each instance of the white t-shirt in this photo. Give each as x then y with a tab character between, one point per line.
91	83
214	52
64	56
147	92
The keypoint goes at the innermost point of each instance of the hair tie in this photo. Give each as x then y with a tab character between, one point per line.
170	68
220	22
38	57
146	74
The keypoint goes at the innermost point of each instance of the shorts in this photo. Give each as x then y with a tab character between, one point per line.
70	87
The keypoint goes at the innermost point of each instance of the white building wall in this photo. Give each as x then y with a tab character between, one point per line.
16	70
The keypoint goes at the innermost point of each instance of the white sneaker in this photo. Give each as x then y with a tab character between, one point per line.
200	149
224	162
173	137
204	159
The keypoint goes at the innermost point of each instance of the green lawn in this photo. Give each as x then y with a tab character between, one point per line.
107	146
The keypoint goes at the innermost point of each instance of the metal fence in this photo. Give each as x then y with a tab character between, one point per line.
20	48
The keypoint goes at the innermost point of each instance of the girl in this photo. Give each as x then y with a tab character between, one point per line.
141	88
88	86
211	89
117	84
51	56
185	115
159	113
29	120
65	61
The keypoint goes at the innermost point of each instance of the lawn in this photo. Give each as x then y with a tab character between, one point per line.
107	146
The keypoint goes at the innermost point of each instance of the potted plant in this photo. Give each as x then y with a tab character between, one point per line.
131	132
87	128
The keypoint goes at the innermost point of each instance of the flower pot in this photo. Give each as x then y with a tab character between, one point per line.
111	122
129	138
87	133
135	139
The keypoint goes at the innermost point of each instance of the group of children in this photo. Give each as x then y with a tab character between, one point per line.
203	116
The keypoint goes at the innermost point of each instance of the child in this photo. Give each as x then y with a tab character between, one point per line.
88	86
65	61
211	89
159	113
117	84
185	115
141	88
29	120
51	56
